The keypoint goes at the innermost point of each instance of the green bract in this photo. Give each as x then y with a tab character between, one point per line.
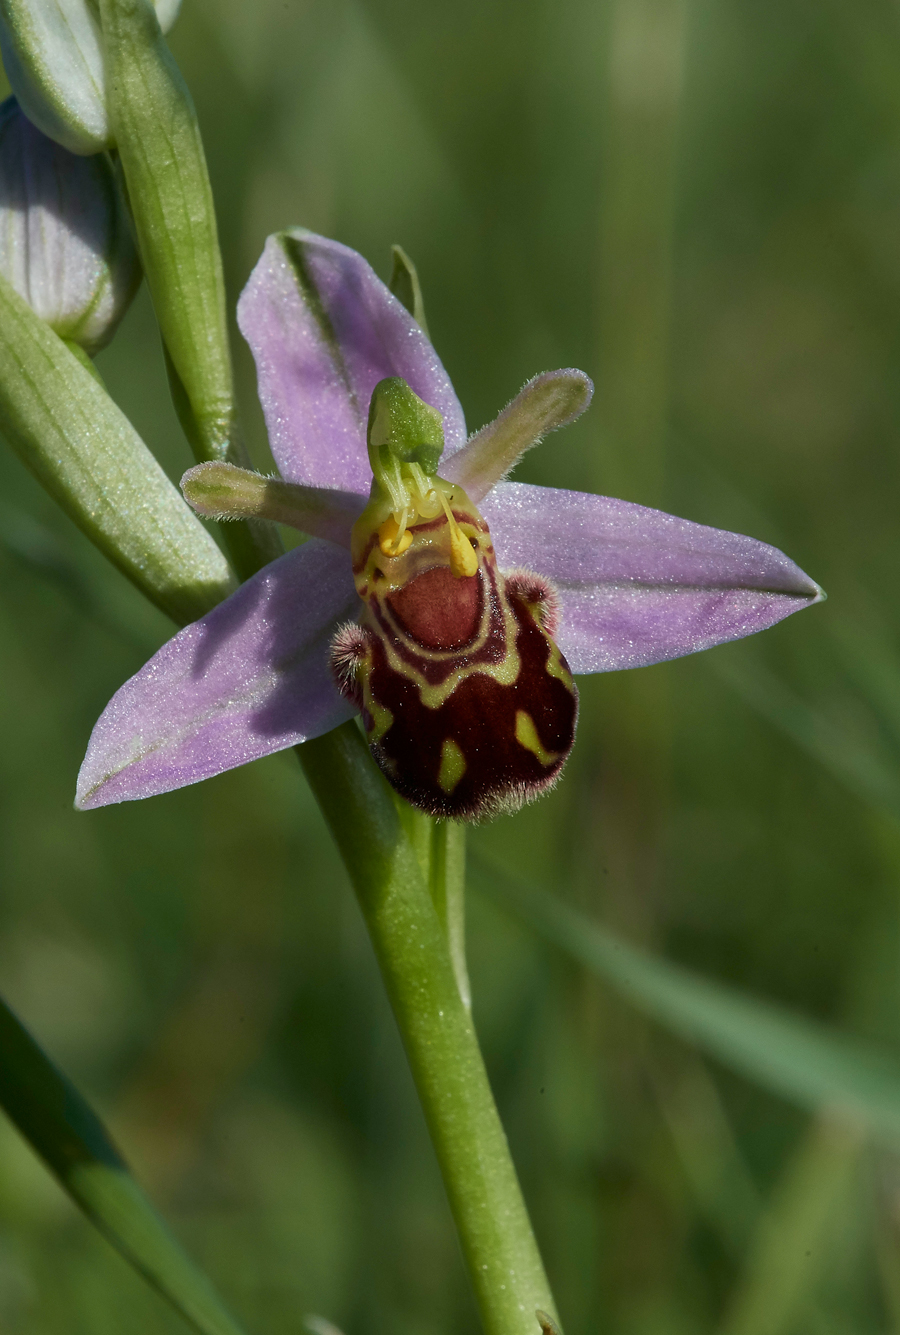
83	449
53	56
158	138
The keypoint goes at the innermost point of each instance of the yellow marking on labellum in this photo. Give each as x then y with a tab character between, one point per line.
453	766
463	559
555	666
526	735
428	543
392	539
382	717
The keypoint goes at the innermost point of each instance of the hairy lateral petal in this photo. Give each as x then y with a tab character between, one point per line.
549	401
638	586
223	491
323	330
250	678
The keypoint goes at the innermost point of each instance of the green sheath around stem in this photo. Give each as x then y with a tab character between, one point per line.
498	1244
158	139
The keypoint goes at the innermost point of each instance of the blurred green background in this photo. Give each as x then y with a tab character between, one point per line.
699	204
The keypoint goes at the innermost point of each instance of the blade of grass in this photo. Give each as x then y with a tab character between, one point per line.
848	760
872	663
803	1061
707	1148
69	1137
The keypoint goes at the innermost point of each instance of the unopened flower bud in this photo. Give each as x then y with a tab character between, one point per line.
53	56
65	243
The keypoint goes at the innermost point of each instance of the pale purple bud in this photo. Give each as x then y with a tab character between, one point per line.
53	57
65	242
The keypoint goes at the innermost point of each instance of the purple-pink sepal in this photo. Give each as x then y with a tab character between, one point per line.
637	586
250	678
324	329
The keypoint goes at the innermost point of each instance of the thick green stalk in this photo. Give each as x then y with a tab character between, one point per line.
158	138
409	939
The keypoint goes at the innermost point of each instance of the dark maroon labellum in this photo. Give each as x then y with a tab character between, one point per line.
468	704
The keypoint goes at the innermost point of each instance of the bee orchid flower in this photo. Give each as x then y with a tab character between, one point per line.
446	605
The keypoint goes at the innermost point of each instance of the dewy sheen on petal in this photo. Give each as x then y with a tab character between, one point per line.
637	586
324	330
250	678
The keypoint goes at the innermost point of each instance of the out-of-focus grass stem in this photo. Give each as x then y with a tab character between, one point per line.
633	298
60	1126
791	1246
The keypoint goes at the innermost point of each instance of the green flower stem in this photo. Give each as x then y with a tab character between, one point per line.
440	847
418	829
250	543
412	949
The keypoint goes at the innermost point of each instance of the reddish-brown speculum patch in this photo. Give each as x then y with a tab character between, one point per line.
438	609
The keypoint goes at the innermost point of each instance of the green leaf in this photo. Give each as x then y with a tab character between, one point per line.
69	1137
803	1061
82	448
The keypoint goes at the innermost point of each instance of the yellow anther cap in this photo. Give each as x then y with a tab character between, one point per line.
387	538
